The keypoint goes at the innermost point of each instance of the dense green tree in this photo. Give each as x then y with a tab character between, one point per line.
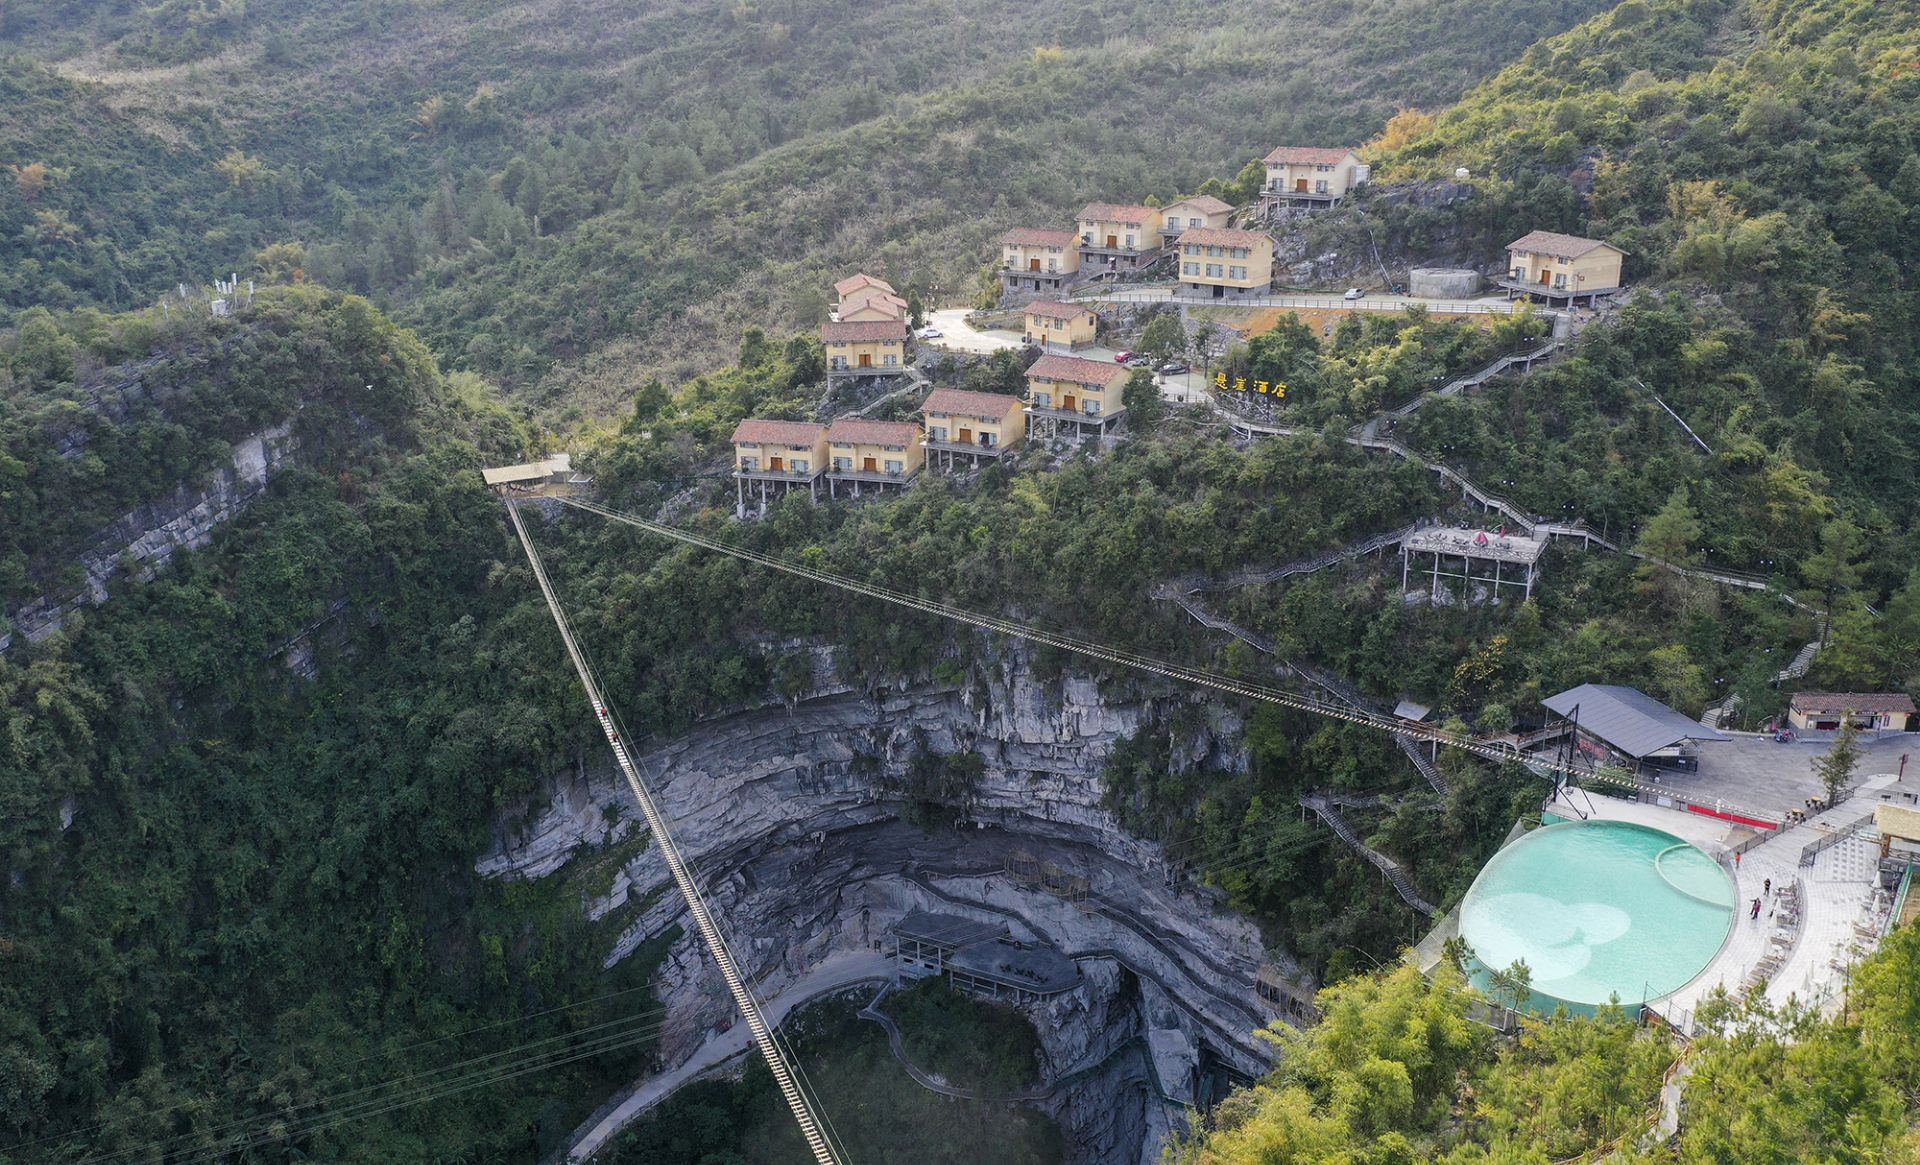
1834	767
1164	338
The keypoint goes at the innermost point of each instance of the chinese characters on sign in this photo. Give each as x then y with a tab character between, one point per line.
1239	384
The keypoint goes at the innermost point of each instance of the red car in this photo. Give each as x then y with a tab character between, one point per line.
1122	357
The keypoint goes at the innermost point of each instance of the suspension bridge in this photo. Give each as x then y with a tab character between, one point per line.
785	1068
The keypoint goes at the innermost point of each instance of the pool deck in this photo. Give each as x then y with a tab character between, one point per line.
1753	772
1841	908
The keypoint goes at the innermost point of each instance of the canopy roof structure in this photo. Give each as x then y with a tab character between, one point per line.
1632	722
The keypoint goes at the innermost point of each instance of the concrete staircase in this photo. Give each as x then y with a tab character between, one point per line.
1323	808
1713	717
1339	688
1803	660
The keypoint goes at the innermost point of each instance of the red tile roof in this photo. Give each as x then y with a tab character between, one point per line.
1110	212
1038	237
1558	246
873	297
1204	203
1055	310
1307	156
777	432
857	431
1859	703
960	402
1079	371
863	331
1222	237
855	282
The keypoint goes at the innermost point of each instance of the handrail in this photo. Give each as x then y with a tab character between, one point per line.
1396	877
1338	303
1820	845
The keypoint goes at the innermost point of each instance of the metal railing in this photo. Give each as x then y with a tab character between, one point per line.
1451	307
1813	849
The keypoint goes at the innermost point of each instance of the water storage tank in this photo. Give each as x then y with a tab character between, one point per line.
1443	282
1361	174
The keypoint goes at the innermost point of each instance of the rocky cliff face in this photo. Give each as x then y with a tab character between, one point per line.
1389	233
142	541
792	818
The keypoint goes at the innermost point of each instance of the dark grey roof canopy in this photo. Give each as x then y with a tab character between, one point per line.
1628	719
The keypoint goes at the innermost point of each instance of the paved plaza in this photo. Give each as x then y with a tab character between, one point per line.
1817	920
1757	775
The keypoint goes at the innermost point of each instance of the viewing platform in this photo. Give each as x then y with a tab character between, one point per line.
979	957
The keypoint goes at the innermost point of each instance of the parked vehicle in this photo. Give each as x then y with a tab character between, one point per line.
1139	362
1174	368
1122	357
1354	293
931	333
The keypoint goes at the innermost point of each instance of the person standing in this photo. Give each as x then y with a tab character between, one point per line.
1756	910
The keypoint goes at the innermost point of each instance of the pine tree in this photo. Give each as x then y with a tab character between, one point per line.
1835	769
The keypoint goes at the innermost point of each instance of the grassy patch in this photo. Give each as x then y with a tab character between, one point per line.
987	1047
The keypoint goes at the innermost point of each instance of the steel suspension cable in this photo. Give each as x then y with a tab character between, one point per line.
790	1088
387	1095
1106	652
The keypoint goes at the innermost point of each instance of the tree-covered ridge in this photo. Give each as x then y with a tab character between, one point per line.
536	184
236	894
1758	163
1398	1071
1763	151
101	414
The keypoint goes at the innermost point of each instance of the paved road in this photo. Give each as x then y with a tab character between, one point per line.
960	336
1495	305
841	970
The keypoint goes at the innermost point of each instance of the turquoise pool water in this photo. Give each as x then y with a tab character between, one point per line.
1598	908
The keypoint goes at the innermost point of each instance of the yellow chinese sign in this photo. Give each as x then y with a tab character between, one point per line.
1239	384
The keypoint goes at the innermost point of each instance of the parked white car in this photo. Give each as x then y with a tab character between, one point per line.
1354	293
930	333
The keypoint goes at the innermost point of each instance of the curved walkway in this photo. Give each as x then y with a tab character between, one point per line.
896	1041
1196	984
836	973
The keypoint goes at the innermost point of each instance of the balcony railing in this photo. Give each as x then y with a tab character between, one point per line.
882	475
784	473
1071	414
962	446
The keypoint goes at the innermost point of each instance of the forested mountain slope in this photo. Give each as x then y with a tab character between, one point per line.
1757	160
240	803
232	889
534	184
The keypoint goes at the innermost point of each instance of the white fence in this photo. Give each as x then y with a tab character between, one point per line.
1323	302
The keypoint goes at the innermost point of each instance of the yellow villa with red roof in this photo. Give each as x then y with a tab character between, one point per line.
771	458
1118	238
863	454
1071	397
970	426
1312	175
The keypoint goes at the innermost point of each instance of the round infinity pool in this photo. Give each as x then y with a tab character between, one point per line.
1597	909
